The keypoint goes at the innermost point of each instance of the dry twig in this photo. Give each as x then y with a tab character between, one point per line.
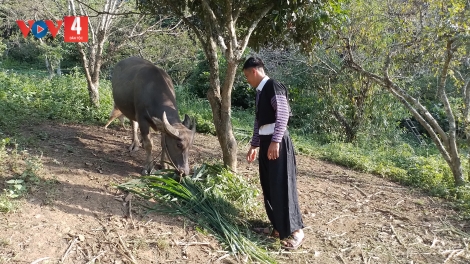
68	249
453	253
362	192
341	258
379	192
336	218
93	259
127	250
396	235
39	260
191	243
223	257
392	214
281	252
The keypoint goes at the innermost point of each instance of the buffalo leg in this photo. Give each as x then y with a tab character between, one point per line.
164	156
135	137
115	113
148	145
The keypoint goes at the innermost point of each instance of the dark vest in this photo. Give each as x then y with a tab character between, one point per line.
265	113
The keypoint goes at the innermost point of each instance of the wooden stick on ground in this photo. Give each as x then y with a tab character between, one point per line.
68	249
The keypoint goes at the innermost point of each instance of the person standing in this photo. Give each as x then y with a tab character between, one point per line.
277	164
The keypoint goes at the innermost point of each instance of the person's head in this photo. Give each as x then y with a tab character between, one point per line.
254	71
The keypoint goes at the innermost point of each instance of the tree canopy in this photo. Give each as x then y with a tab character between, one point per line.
230	26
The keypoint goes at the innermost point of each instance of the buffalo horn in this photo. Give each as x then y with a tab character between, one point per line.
169	128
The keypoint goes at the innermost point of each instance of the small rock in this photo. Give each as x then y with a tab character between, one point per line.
81	237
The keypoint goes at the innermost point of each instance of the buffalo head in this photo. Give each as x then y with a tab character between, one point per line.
176	141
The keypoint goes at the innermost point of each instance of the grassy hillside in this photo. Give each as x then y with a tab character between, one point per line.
28	97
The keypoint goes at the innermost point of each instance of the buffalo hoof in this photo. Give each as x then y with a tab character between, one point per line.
146	171
134	147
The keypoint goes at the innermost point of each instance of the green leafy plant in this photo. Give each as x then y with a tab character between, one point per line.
15	188
215	198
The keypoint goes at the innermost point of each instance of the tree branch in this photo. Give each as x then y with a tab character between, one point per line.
250	30
229	24
213	23
425	119
110	13
408	101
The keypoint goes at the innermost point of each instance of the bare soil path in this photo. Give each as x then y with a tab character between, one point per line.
79	217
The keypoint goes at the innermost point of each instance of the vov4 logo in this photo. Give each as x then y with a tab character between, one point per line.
75	28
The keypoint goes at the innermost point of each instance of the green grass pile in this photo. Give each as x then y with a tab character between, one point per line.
217	200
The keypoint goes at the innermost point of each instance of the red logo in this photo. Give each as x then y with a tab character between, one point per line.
39	28
76	29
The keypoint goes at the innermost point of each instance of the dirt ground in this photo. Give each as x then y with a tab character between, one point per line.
79	217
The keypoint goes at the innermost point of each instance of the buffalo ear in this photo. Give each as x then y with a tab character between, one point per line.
190	123
187	121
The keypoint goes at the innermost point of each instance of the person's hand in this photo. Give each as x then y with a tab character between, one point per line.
273	151
251	155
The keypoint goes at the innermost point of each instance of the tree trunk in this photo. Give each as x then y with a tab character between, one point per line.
221	105
456	167
94	93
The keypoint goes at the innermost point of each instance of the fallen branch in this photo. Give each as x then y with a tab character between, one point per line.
336	218
39	260
68	249
396	235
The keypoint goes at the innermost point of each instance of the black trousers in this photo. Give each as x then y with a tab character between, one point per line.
279	184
